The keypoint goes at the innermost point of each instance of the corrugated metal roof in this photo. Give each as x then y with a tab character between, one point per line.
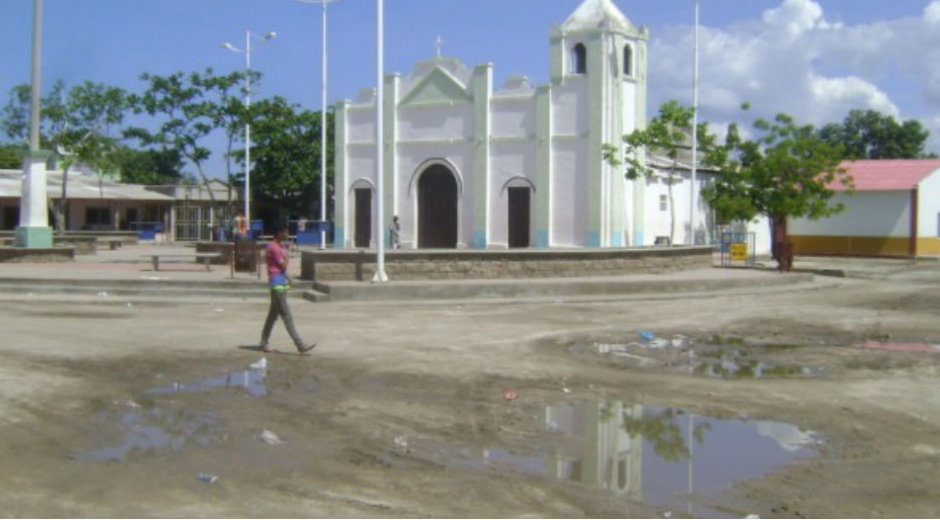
888	174
80	187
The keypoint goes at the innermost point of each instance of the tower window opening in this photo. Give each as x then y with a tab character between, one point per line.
579	59
627	60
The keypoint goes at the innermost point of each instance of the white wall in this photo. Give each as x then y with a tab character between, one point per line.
570	107
360	125
867	214
513	118
570	219
435	123
928	206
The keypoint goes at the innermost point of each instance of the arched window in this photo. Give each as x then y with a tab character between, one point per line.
579	59
627	60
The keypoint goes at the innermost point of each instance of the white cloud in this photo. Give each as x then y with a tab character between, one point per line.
932	12
794	60
796	17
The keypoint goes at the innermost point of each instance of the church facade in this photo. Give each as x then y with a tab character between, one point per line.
467	165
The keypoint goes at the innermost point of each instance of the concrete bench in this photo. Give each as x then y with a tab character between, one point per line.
206	258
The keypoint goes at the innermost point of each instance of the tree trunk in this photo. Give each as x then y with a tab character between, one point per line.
778	227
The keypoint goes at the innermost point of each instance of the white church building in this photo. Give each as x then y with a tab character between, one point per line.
467	165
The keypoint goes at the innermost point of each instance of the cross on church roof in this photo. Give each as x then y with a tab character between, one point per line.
438	44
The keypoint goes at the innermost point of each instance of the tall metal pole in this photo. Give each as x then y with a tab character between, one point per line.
36	87
693	200
323	146
248	129
380	275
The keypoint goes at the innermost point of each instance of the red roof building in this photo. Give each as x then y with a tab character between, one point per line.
894	210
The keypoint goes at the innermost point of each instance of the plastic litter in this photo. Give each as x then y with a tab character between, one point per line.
103	294
261	364
752	516
401	443
207	478
509	395
129	304
219	310
270	437
647	335
566	390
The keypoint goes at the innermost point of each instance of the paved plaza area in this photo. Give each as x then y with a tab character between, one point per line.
807	399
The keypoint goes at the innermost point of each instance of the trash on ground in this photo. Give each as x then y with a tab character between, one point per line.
207	478
566	390
103	294
647	335
752	516
509	395
401	443
270	437
129	304
902	347
219	310
261	364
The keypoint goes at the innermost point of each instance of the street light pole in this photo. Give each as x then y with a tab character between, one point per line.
380	275
247	50
323	123
693	195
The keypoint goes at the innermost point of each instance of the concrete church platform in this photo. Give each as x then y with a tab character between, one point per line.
126	275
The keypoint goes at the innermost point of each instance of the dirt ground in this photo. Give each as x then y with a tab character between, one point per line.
441	410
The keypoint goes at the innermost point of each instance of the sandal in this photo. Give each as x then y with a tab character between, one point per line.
306	350
266	349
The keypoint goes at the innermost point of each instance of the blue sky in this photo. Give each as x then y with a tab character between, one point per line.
815	59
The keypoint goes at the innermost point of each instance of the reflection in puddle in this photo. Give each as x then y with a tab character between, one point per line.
751	369
154	430
253	381
659	456
664	457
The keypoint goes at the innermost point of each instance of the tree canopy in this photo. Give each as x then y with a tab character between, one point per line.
789	171
868	134
286	154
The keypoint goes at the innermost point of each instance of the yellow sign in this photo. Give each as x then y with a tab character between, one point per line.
739	251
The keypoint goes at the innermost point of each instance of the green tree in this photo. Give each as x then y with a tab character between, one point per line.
787	172
149	167
15	123
868	134
286	154
668	134
187	104
231	115
11	156
76	123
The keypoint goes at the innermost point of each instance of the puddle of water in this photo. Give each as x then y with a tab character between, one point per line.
153	431
659	456
253	381
751	369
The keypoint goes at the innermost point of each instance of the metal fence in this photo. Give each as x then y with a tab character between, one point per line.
737	248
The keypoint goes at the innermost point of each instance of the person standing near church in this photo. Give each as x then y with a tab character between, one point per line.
394	232
276	257
240	226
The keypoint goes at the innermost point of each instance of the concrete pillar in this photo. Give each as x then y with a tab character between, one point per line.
34	230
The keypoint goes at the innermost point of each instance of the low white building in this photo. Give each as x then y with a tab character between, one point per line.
894	211
467	165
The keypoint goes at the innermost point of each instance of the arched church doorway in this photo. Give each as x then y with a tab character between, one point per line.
363	236
520	203
437	208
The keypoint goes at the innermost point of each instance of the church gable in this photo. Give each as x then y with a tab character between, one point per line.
438	87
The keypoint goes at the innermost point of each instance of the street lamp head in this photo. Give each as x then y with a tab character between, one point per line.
230	47
270	36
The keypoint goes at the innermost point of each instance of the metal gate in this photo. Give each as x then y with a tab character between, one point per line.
737	248
194	223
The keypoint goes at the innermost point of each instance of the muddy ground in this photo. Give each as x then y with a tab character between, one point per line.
477	409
